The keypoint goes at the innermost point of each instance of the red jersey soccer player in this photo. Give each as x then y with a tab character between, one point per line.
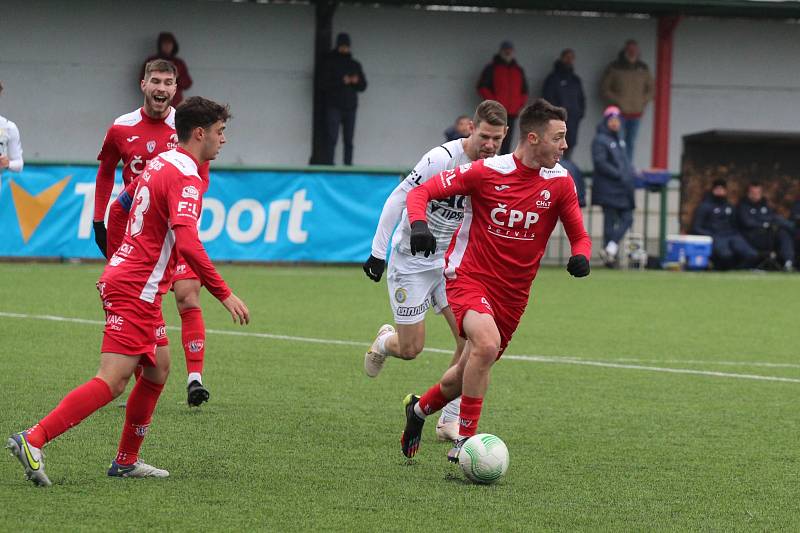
135	138
163	222
514	203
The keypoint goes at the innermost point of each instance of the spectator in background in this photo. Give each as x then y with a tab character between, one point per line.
342	80
577	177
628	84
459	130
10	145
612	183
504	80
167	48
763	228
716	218
796	221
564	88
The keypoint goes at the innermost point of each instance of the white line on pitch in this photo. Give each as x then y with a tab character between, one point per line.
533	358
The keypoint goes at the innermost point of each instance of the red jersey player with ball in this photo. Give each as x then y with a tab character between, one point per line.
162	222
135	138
514	202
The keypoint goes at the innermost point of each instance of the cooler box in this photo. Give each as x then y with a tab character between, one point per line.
695	249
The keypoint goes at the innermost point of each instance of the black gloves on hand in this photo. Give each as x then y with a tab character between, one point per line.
422	240
100	236
578	266
373	268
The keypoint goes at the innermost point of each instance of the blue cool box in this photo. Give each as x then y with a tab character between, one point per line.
696	249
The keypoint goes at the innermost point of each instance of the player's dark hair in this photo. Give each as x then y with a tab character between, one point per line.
198	112
538	115
491	112
159	65
754	183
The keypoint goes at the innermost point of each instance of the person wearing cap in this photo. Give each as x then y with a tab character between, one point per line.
342	80
504	80
564	88
716	218
628	84
612	183
10	145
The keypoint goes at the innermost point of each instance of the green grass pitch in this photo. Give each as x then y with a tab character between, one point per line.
639	401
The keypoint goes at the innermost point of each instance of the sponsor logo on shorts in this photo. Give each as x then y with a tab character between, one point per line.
485	302
195	345
414	311
401	295
161	332
115	322
180	269
190	191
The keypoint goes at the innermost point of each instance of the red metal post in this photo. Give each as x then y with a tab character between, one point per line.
663	96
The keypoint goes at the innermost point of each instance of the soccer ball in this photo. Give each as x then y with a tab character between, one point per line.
483	458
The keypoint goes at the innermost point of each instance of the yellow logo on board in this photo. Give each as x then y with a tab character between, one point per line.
31	209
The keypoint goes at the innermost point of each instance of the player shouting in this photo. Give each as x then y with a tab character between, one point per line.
135	138
416	283
513	203
163	222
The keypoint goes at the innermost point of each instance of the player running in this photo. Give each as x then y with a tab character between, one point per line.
135	138
416	283
514	202
163	222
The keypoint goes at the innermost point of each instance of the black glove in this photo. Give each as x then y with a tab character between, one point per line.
373	268
578	266
422	240
100	236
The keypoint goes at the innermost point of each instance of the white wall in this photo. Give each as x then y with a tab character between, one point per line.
70	69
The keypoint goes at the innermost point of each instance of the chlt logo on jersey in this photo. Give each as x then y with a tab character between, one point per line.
32	208
544	202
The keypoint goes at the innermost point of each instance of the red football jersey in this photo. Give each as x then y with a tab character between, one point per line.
169	194
135	138
509	214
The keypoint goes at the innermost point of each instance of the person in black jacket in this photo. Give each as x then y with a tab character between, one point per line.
577	177
612	183
716	218
763	228
564	88
343	79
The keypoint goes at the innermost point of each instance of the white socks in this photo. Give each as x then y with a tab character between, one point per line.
612	248
382	342
195	376
419	412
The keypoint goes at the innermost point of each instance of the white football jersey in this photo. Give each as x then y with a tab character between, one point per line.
10	144
444	216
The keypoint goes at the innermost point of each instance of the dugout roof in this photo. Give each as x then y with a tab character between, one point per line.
776	9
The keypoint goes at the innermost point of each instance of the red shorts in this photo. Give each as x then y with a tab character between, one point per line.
133	327
464	294
183	271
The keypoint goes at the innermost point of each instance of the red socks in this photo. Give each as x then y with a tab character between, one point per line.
138	413
77	405
433	400
193	337
469	416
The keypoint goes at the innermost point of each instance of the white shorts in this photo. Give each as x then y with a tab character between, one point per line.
411	295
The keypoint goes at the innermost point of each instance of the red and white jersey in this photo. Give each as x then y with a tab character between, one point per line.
134	138
509	214
169	194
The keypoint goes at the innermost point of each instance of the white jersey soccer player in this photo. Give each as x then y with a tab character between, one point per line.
10	145
416	283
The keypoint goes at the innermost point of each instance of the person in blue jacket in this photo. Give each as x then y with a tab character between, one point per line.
577	177
612	183
716	218
765	229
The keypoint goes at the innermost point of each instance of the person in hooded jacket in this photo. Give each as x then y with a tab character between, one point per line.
612	183
167	48
342	80
564	88
763	228
504	80
716	218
